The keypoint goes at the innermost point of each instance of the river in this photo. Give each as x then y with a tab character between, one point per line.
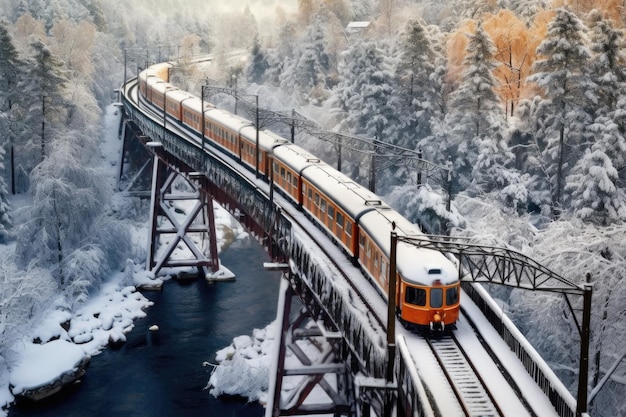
163	375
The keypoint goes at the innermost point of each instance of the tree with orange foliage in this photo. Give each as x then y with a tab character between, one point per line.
476	119
515	47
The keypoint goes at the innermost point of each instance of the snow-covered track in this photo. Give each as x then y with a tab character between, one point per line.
466	383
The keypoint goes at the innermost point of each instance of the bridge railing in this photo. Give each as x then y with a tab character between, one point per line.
413	398
562	400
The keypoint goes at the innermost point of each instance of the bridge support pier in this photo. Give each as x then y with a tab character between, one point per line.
182	222
133	157
310	376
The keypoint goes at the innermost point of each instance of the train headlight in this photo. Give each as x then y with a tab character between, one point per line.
437	317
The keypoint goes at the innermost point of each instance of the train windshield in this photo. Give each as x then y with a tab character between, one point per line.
436	297
416	296
452	296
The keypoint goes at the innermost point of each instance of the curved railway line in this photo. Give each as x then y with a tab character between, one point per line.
453	382
375	311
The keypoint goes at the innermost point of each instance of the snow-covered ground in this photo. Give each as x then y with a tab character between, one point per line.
106	317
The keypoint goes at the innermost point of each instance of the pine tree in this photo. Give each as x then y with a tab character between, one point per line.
594	185
10	73
6	221
44	89
475	114
607	66
567	88
364	92
593	193
312	65
258	65
417	90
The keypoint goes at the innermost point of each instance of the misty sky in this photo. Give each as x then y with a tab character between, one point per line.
259	7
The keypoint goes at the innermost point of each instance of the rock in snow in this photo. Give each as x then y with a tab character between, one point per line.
47	368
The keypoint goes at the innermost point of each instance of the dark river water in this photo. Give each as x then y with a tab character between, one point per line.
164	376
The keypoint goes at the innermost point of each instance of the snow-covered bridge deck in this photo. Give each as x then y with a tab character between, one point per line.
343	310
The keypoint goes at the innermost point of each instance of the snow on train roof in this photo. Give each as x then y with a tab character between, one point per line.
431	265
295	157
349	195
227	119
160	86
178	95
194	103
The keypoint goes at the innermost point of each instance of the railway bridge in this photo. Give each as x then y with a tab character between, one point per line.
340	350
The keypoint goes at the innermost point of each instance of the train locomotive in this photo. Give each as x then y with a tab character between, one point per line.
428	285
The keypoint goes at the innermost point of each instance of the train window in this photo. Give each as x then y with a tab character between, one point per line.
317	199
376	256
331	213
289	178
452	296
383	268
415	296
348	227
323	206
282	172
340	220
436	297
368	249
310	194
361	240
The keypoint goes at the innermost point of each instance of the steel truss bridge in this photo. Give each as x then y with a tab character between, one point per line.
362	367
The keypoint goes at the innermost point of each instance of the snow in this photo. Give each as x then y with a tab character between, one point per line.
243	368
106	317
42	364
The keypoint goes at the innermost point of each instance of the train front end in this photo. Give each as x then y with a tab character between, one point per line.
428	296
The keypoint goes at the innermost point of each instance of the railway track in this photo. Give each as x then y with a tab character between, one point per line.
376	317
467	384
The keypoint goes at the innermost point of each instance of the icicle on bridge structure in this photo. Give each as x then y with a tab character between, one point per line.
361	366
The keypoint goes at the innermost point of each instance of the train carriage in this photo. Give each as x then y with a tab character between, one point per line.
337	202
288	163
143	80
428	283
224	129
158	89
268	141
174	100
192	115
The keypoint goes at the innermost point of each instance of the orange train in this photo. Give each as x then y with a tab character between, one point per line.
359	221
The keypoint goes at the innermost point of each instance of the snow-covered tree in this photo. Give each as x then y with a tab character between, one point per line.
44	90
310	67
258	63
562	74
365	91
67	199
25	295
476	114
592	186
418	91
423	206
10	71
6	218
607	66
524	8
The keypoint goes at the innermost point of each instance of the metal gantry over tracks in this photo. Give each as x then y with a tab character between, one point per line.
497	265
